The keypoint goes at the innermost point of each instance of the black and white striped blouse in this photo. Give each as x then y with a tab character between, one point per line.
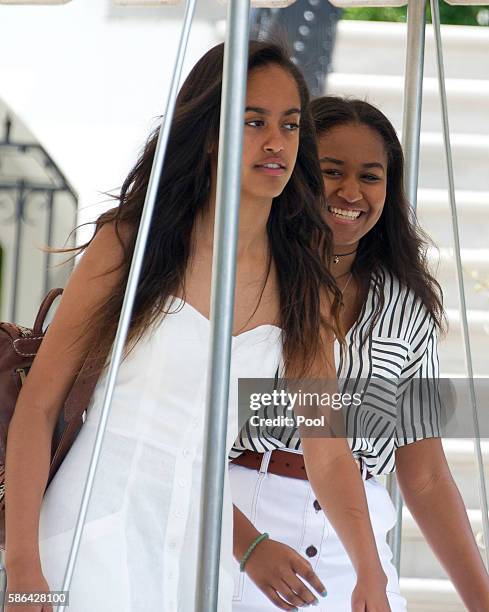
400	350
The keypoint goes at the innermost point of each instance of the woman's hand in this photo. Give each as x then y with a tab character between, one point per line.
277	569
369	594
32	581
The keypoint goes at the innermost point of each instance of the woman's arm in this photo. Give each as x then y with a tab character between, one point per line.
338	486
274	567
432	497
337	483
42	397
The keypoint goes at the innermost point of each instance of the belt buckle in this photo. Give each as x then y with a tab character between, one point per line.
265	462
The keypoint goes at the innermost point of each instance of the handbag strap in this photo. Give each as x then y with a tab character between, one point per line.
44	309
75	407
64	445
82	389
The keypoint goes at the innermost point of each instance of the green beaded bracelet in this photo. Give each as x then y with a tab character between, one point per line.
251	548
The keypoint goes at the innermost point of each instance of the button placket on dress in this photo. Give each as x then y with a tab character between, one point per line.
180	504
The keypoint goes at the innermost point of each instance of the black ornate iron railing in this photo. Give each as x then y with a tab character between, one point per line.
18	195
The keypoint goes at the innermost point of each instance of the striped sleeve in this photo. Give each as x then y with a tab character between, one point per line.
419	409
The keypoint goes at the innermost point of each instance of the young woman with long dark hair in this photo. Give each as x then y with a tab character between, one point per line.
391	312
139	547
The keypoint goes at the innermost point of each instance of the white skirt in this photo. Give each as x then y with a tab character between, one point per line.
284	508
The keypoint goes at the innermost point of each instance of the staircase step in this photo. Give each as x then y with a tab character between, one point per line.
472	212
479	319
470	155
387	92
462	461
475	265
430	595
451	348
465	49
425	574
417	558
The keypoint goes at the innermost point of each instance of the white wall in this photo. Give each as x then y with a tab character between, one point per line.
89	81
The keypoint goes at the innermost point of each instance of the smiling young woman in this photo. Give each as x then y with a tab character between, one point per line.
355	180
390	247
391	311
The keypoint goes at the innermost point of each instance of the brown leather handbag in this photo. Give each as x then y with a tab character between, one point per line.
18	347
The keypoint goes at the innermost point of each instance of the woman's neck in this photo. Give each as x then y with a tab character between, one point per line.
252	231
343	258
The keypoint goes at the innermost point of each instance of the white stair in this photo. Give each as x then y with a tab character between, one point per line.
386	46
470	161
387	92
430	595
423	580
368	63
451	346
475	266
418	561
472	208
461	458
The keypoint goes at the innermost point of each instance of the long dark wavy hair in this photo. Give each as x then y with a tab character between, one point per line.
300	240
396	243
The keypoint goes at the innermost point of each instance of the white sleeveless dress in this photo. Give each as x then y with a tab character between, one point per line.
139	546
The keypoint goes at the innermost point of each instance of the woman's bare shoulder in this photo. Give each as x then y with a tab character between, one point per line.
68	339
108	246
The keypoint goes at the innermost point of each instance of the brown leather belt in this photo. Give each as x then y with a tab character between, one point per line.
282	463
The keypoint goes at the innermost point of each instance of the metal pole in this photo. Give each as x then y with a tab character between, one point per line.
49	238
19	233
395	534
411	129
413	93
3	579
435	16
222	300
132	283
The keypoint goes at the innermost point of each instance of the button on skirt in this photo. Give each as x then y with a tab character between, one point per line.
285	508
